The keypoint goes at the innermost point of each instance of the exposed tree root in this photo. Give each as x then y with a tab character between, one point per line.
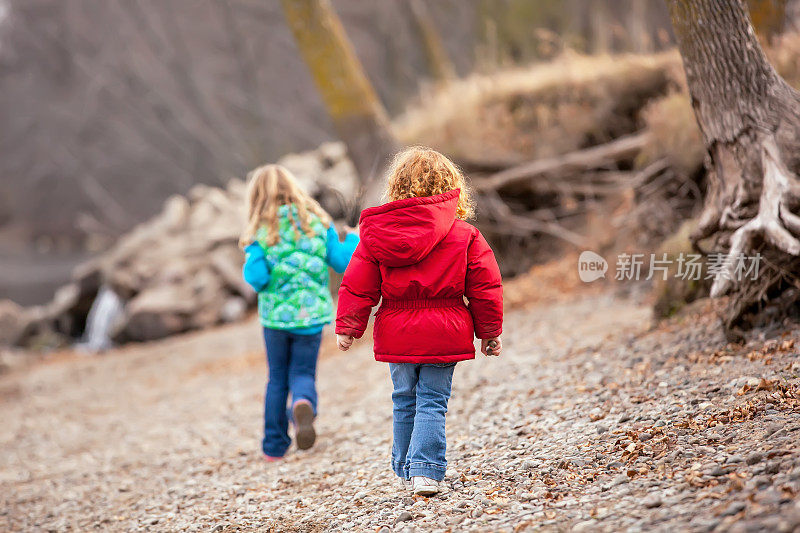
780	190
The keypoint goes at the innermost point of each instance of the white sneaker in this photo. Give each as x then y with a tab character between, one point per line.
405	484
424	486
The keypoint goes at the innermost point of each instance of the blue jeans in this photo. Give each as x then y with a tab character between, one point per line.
292	367
420	396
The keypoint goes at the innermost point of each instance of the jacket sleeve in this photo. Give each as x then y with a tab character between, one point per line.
256	269
338	253
359	292
484	289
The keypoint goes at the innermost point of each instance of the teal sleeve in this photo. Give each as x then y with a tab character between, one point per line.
256	269
339	253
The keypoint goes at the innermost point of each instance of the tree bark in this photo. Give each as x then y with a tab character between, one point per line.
439	63
357	114
600	28
749	117
638	35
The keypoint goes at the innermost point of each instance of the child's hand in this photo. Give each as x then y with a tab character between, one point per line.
344	342
491	346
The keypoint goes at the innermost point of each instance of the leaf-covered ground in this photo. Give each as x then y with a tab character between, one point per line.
589	421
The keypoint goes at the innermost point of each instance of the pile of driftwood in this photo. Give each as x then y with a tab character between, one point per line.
179	271
551	198
585	176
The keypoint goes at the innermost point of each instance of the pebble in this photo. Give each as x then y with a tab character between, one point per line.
769	497
780	434
753	382
651	501
754	458
620	480
734	508
701	523
587	525
404	516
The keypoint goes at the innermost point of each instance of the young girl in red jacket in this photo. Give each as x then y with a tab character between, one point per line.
420	259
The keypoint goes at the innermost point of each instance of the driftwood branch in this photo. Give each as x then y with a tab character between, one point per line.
508	222
595	157
512	216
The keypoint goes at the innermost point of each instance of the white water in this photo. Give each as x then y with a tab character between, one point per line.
106	309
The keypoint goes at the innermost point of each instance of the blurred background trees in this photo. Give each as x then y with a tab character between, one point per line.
111	107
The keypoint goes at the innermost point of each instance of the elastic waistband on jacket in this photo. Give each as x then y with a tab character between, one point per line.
422	303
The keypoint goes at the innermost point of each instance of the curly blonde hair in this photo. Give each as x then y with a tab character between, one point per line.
269	187
421	171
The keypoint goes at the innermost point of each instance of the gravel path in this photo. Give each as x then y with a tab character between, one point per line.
589	421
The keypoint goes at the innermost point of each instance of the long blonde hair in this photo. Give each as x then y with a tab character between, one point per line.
421	171
269	187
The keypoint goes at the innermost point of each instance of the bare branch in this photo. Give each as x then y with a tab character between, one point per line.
600	156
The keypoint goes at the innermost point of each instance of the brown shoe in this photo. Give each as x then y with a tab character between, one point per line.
303	416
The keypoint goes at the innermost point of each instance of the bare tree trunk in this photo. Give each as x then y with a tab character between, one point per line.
749	117
640	41
600	27
358	116
439	62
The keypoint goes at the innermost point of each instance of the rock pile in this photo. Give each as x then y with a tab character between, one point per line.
181	270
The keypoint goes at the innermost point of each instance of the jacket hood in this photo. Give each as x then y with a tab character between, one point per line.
404	232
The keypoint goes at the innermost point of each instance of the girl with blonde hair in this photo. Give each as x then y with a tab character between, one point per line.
289	243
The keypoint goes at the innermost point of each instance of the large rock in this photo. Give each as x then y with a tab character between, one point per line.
227	263
12	322
328	175
157	312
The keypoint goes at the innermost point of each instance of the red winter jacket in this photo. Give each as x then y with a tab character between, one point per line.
423	262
